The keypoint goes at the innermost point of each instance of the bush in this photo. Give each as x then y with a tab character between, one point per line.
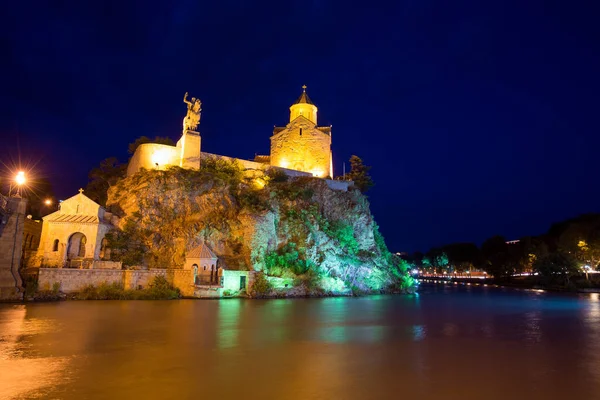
227	171
344	234
261	286
31	285
287	257
310	280
159	289
253	200
276	175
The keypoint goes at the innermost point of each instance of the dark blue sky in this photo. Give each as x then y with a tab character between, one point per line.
478	117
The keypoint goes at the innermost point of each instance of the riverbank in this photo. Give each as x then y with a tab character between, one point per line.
524	282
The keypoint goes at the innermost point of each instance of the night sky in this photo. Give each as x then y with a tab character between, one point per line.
478	117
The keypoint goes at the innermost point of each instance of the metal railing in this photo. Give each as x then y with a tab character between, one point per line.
207	280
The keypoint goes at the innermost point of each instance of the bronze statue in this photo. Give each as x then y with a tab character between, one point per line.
192	119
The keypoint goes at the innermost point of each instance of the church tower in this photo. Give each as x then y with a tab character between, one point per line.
302	145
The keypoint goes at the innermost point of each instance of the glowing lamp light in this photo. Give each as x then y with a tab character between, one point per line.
160	157
317	172
48	202
20	178
284	163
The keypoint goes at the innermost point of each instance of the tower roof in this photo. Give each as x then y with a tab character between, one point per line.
304	97
202	251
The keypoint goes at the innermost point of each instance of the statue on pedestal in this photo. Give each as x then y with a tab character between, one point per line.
192	119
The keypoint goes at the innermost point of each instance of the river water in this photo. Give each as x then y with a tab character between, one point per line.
447	342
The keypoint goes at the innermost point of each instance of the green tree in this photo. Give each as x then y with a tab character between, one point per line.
530	249
556	267
581	239
438	260
462	256
497	260
102	178
359	173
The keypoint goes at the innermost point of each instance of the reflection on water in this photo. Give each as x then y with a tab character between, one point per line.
448	342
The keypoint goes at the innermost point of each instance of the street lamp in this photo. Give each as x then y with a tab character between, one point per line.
48	202
20	180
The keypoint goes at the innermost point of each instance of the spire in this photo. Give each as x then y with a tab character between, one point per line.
304	99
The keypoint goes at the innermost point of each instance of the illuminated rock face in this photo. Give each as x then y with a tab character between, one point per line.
299	228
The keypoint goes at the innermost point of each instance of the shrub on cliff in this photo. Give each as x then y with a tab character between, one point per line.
261	286
275	175
224	170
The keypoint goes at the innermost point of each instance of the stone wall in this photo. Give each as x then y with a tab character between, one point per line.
73	280
97	264
255	166
148	154
339	185
12	218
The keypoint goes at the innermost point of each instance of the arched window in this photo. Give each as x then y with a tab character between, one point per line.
205	267
55	245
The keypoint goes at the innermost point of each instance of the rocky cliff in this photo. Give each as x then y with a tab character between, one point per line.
299	230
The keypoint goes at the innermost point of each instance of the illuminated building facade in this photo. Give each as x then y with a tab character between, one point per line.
302	145
299	146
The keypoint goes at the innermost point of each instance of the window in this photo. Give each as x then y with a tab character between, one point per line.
300	131
242	282
55	245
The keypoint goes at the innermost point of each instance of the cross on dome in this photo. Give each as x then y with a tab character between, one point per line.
80	191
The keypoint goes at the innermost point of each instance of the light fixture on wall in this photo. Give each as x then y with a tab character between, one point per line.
159	157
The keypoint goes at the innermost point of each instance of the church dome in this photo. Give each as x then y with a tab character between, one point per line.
304	99
304	107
